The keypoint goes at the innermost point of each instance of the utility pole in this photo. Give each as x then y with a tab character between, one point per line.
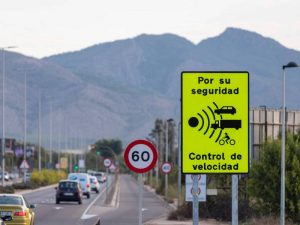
166	158
25	123
179	166
3	110
51	128
40	131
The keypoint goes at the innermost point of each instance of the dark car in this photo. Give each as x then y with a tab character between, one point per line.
5	218
68	190
226	110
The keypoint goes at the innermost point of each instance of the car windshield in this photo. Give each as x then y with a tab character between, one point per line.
10	200
67	185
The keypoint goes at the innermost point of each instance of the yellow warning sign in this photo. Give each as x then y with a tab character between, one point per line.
215	118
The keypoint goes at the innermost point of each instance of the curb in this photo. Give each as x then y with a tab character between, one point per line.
170	205
115	200
33	190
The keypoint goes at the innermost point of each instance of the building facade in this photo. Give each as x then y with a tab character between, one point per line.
266	124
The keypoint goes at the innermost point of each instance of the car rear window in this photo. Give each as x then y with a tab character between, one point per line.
65	185
11	200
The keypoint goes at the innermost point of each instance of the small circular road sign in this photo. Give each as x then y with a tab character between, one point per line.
166	167
196	176
140	156
197	193
107	162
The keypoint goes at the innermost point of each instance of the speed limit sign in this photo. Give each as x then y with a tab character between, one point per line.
166	167
107	162
140	156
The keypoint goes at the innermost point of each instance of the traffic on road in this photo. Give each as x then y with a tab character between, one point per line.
64	203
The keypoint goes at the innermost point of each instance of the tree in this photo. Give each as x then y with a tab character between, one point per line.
264	182
105	147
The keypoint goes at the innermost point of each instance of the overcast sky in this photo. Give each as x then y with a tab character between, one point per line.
45	27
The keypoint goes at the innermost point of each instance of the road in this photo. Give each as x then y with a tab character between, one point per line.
125	212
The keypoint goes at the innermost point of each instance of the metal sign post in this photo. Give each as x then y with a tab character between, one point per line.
107	163
195	201
235	193
140	177
140	156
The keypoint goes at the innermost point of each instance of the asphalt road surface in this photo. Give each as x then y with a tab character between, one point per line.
124	211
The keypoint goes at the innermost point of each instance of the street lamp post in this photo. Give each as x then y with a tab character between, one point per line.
25	123
167	155
3	109
40	131
166	158
282	184
179	166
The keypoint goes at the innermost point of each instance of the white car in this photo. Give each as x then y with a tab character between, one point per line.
84	180
95	186
100	176
6	176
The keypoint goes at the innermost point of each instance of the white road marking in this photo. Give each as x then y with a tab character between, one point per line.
87	216
84	215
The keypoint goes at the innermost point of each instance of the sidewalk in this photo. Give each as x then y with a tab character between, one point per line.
164	221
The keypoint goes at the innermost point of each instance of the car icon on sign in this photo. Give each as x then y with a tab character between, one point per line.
226	110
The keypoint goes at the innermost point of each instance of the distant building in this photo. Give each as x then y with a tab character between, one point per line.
266	124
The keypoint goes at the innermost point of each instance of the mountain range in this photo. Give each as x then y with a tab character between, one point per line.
118	89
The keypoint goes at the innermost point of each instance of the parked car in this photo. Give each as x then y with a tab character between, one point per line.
95	186
14	175
16	206
68	190
84	180
6	176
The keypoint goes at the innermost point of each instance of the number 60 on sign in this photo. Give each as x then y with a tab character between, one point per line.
140	156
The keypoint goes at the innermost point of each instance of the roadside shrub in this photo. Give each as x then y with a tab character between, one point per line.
264	182
216	207
7	189
27	185
184	212
47	177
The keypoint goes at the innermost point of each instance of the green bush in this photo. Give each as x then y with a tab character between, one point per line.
47	177
217	207
264	182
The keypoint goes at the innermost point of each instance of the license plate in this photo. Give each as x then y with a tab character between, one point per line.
68	194
5	213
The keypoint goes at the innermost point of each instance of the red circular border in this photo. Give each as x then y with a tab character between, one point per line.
199	191
126	156
109	164
199	176
170	169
